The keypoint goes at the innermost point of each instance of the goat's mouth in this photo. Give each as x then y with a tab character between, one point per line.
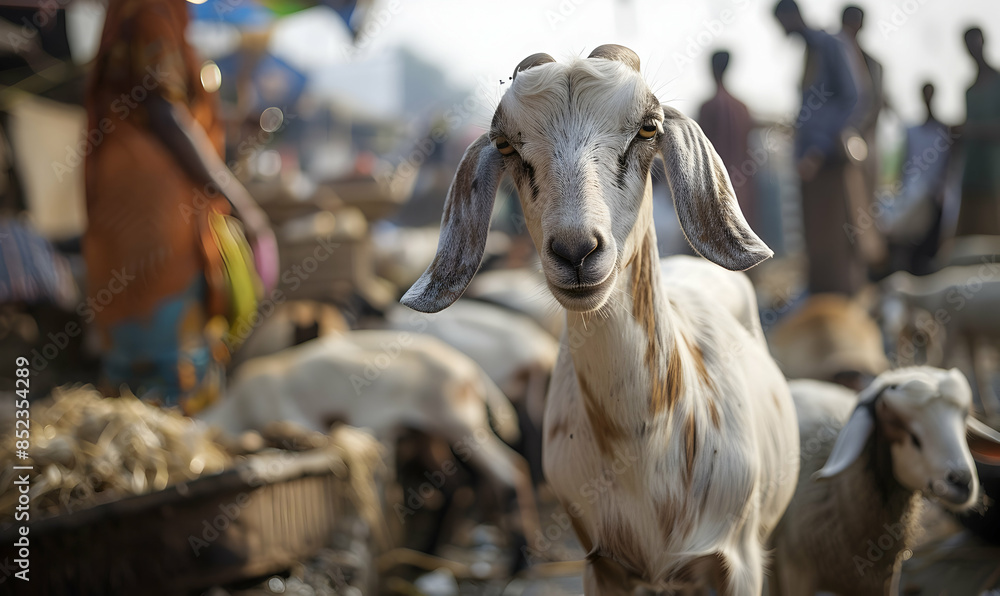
957	499
583	298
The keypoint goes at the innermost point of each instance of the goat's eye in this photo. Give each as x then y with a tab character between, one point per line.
503	146
916	441
647	131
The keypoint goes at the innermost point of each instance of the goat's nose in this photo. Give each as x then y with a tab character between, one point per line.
961	482
573	252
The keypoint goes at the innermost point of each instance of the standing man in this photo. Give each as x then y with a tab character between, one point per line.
727	123
871	97
980	209
830	179
913	222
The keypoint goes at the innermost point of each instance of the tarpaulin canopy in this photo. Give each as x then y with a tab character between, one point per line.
274	82
259	13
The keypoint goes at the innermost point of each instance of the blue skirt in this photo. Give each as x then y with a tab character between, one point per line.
167	357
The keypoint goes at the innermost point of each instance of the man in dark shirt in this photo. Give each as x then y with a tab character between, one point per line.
980	209
871	94
832	186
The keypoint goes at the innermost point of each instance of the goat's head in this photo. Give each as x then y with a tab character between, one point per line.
579	140
923	413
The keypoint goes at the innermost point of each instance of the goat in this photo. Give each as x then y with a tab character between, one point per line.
866	462
291	323
511	348
962	302
520	290
829	338
384	381
669	431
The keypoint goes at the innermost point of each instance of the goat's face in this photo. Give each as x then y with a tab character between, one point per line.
578	140
923	414
925	423
582	140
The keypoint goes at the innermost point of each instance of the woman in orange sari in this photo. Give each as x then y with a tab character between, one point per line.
153	170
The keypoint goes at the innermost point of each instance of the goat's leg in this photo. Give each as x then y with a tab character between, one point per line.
604	577
504	468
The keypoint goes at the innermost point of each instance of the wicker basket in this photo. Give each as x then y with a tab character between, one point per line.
251	521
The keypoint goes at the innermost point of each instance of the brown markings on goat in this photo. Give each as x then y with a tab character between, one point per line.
644	312
713	411
777	402
699	363
664	392
619	539
666	515
559	427
690	446
606	430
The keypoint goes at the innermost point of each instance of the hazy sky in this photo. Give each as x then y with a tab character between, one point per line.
478	41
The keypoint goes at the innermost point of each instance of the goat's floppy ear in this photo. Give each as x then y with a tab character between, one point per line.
464	226
853	437
981	431
984	442
704	197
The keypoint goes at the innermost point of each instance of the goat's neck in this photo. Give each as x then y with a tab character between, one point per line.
883	506
624	355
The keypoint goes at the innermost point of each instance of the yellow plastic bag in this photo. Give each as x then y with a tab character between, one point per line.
243	285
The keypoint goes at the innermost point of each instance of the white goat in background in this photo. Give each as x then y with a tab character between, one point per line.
660	395
963	305
866	461
384	381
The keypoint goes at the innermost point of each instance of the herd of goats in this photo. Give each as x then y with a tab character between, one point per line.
712	470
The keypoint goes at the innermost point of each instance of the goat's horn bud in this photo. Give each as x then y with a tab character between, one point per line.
613	51
533	60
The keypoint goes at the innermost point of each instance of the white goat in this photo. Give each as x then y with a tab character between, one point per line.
863	475
523	291
670	434
384	381
511	348
963	303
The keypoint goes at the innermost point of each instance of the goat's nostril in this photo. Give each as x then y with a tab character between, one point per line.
960	479
574	252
